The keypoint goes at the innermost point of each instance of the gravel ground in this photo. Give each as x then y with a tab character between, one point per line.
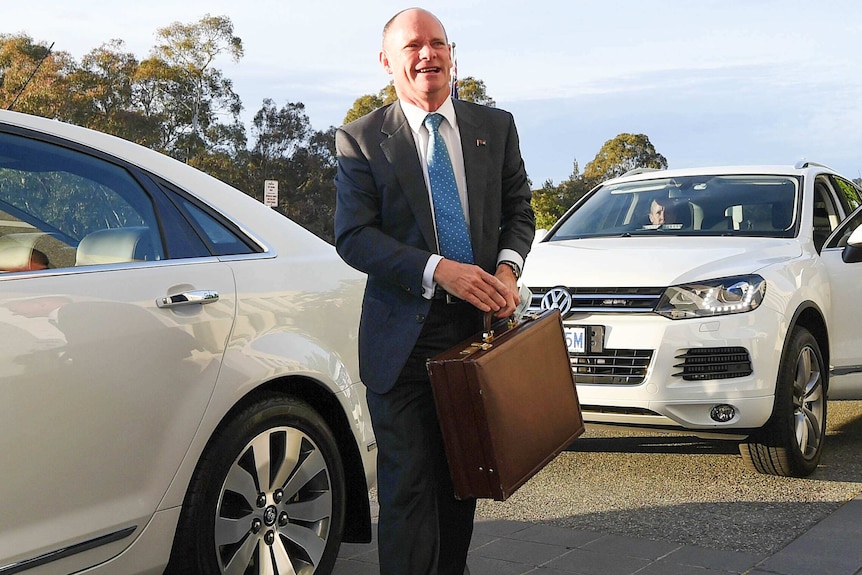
673	487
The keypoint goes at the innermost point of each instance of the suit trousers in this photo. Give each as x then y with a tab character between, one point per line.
422	528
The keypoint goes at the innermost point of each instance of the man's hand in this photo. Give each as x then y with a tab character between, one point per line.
497	293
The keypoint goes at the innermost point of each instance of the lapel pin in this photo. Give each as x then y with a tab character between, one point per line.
480	143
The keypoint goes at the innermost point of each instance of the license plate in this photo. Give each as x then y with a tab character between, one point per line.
582	339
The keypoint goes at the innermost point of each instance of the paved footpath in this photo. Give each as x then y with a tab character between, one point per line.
831	547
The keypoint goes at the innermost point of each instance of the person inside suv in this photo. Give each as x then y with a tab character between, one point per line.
658	211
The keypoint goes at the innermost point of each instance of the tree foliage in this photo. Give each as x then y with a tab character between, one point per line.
370	102
621	154
105	95
550	202
33	78
194	93
473	90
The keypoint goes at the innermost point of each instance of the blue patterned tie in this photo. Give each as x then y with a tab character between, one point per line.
452	231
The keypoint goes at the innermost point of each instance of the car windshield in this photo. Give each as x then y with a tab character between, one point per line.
703	205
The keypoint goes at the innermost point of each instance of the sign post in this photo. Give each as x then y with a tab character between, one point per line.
270	193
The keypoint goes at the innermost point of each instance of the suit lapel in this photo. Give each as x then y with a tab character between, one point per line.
399	148
474	137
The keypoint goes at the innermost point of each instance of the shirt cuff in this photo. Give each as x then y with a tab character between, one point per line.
511	256
428	283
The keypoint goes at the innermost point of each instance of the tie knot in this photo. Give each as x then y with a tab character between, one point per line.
433	121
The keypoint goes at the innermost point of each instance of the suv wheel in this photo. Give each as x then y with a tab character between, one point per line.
268	496
791	442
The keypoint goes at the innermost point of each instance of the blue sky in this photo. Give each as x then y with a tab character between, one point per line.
709	82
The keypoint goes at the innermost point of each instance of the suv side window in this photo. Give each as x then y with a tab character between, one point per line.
62	208
849	195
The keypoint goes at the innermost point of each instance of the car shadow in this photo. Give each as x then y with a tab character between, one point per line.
838	462
612	439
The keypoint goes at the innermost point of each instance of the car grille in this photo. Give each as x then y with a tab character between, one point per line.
612	366
714	363
606	299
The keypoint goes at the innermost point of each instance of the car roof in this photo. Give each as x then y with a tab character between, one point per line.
799	169
98	140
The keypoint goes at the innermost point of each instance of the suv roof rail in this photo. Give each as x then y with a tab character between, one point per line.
640	171
807	164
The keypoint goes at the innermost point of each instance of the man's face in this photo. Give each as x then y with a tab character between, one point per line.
656	213
417	55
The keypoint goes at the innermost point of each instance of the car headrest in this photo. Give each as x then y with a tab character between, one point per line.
111	246
17	253
679	212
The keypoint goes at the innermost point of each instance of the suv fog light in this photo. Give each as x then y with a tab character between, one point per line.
722	413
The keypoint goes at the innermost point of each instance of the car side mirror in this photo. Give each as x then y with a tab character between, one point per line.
853	251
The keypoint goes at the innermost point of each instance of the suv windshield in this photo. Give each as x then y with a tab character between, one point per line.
704	205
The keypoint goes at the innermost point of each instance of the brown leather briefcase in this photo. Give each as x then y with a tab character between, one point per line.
507	404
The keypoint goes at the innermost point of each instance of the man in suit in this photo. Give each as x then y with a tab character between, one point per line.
417	302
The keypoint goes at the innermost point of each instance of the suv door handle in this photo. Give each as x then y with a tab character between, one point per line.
194	297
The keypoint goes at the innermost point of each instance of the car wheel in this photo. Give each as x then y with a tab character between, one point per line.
791	442
268	496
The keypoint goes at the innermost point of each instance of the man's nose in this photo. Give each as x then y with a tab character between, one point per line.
426	52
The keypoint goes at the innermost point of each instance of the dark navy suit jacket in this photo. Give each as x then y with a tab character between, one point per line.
384	226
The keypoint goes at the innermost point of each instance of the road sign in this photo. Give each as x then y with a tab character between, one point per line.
270	193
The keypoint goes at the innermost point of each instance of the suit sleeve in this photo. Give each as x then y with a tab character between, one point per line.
360	238
518	226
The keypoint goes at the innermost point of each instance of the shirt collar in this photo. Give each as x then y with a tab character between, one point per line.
416	115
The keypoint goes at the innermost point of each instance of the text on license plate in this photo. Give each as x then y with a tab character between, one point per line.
575	339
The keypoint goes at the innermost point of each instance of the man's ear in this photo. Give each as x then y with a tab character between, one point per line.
384	61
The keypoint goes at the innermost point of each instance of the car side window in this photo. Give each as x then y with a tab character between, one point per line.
63	208
220	240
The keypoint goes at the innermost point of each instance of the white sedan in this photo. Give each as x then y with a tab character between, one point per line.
178	370
718	300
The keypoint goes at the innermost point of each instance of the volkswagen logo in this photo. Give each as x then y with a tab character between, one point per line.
559	298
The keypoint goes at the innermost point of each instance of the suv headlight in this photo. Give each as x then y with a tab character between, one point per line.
711	298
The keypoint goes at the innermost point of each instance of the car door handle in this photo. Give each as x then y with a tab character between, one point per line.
194	297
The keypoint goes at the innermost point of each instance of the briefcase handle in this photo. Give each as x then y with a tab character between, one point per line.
487	332
508	323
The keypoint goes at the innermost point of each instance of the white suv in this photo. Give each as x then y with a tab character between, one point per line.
716	300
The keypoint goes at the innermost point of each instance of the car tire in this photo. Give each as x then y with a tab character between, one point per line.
268	496
791	442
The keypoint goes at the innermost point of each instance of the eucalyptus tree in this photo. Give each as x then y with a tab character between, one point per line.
284	147
186	88
33	77
621	154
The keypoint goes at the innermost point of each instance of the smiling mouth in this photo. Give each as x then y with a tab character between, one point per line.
428	70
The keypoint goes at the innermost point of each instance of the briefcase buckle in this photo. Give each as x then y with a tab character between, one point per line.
476	346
